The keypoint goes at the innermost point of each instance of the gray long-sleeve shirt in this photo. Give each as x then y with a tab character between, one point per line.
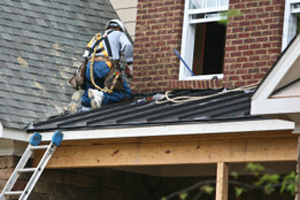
118	41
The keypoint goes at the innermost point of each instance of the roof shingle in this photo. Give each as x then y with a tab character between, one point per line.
41	44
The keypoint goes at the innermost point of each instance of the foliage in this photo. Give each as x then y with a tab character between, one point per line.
239	191
208	189
234	174
226	15
183	196
266	180
256	169
269	181
289	183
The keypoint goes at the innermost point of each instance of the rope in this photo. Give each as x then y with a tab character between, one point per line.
117	74
98	36
183	99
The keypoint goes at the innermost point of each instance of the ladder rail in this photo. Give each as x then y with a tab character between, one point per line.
38	172
15	175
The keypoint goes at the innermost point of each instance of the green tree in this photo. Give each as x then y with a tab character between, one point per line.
264	179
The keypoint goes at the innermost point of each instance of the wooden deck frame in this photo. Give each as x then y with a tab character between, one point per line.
177	150
220	149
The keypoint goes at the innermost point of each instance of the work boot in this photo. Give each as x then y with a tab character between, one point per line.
75	103
96	97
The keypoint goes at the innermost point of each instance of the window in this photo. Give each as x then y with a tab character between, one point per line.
203	39
292	9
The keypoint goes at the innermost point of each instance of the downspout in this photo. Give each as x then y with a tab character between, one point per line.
1	129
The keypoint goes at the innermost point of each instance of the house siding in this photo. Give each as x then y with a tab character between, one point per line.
126	11
253	43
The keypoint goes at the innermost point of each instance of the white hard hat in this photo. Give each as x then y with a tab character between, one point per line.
115	23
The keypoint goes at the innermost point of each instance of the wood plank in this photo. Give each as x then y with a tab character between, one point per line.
141	140
178	150
222	181
297	196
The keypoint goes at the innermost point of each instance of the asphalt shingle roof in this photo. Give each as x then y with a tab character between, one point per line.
41	44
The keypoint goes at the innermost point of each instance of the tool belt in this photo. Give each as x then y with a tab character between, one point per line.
100	58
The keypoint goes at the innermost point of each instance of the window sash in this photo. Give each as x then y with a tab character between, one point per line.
292	8
203	4
209	11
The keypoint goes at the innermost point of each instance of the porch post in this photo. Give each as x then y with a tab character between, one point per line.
297	131
222	181
297	196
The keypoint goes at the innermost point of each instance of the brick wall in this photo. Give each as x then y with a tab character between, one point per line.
253	41
158	33
253	44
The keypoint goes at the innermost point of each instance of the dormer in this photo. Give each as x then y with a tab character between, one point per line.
279	93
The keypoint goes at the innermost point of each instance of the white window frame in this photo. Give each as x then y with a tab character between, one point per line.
211	14
292	8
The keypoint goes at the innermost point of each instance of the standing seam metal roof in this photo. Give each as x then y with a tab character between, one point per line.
203	107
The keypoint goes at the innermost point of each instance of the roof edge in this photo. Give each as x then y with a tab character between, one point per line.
172	130
13	134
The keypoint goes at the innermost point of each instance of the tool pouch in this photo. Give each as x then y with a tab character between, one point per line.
78	79
114	80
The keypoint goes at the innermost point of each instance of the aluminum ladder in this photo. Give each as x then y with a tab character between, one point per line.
36	172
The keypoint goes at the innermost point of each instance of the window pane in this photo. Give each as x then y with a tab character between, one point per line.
198	4
212	3
195	4
209	48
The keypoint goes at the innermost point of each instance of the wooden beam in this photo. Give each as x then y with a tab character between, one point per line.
297	196
176	150
222	181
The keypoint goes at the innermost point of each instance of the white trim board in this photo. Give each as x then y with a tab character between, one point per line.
164	130
284	72
13	134
12	141
173	130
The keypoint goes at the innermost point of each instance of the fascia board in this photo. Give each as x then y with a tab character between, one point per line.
13	134
165	130
271	82
8	138
275	106
176	130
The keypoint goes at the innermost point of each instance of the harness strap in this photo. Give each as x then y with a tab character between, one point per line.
108	46
99	39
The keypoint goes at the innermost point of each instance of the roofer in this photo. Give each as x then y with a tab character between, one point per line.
106	49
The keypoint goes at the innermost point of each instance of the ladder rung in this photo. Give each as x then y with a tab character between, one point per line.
12	193
26	170
36	172
39	147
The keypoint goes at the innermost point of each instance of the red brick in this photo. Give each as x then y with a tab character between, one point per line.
253	43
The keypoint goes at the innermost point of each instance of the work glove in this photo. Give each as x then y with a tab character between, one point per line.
128	71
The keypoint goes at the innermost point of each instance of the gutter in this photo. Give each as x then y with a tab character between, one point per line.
13	134
175	130
154	131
